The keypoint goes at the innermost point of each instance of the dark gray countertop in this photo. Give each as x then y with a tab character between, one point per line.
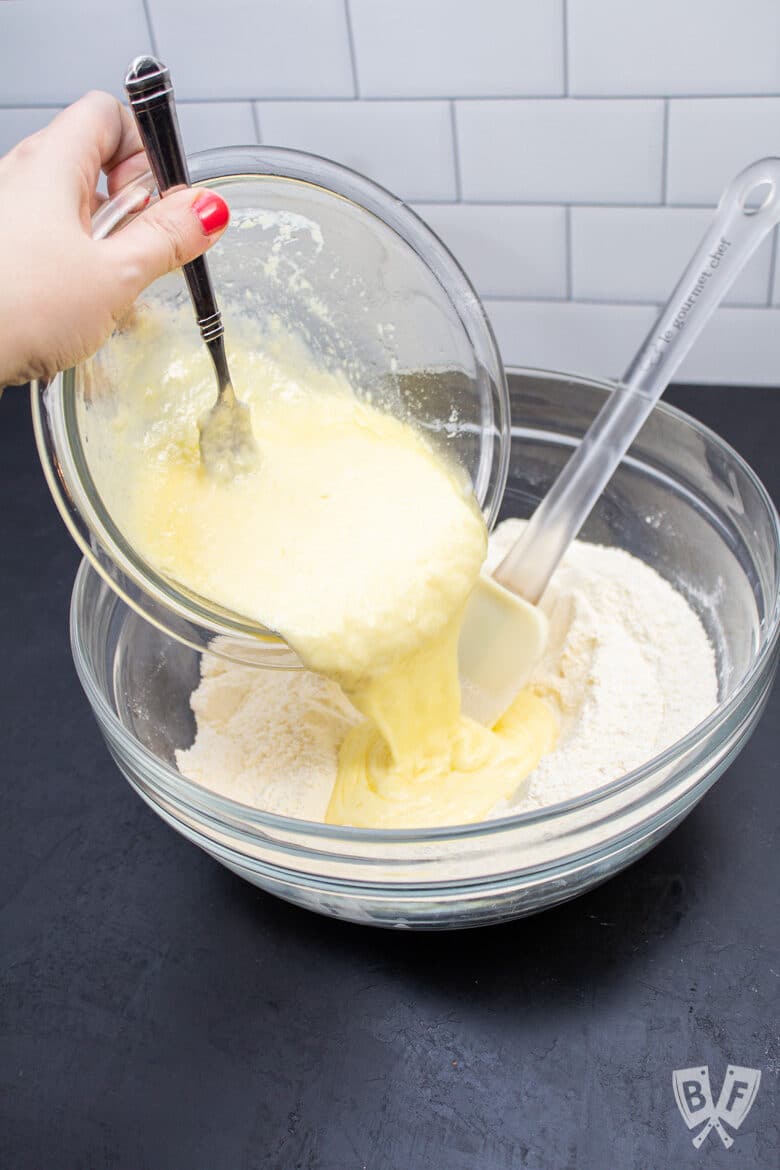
157	1013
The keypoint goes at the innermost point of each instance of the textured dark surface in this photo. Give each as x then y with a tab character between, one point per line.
156	1013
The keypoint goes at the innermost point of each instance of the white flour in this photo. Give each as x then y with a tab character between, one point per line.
628	668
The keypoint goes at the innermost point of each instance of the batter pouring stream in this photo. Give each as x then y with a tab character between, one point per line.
356	541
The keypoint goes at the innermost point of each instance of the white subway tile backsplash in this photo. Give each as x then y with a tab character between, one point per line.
18	124
596	340
739	347
567	151
254	48
560	150
440	48
711	139
208	124
666	48
53	54
405	146
638	253
506	251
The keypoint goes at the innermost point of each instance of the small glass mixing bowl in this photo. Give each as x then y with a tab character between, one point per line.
683	501
316	251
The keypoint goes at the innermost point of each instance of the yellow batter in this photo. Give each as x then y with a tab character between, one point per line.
353	539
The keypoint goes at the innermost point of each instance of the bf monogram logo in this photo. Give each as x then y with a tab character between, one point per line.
694	1099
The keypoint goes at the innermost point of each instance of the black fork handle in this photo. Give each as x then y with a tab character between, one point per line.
150	94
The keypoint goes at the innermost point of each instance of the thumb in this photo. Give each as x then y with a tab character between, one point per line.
175	230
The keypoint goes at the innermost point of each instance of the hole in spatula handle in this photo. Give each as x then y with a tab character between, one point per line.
758	197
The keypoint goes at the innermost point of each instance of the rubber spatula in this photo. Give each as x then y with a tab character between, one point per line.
504	632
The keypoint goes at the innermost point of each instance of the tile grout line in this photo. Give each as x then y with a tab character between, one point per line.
54	106
611	302
352	53
485	99
456	154
772	268
665	154
569	261
589	203
608	303
565	45
256	123
150	26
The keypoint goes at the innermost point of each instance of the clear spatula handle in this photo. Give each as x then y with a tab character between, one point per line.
748	209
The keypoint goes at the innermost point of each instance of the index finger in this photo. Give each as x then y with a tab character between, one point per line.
98	132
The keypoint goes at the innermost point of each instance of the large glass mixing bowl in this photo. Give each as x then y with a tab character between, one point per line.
682	500
317	252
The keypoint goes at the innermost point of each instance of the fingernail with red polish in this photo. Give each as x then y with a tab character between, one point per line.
212	211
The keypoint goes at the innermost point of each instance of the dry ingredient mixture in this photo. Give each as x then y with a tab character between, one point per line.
628	670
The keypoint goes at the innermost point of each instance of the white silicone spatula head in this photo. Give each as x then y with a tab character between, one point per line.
501	640
503	632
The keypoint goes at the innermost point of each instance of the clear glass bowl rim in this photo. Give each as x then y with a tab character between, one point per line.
202	800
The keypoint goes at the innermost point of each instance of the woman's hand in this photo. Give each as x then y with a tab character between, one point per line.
61	292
